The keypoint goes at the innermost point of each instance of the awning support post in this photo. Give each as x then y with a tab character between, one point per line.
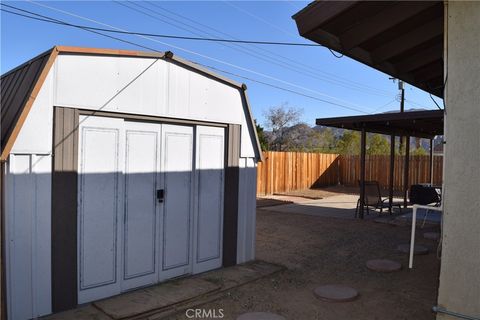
391	176
362	170
431	162
406	171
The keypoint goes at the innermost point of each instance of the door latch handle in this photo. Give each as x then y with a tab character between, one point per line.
160	195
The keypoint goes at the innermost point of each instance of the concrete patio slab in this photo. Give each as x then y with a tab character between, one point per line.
165	299
227	278
156	297
260	316
340	206
241	274
87	312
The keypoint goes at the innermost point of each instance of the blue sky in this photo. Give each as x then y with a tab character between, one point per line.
311	71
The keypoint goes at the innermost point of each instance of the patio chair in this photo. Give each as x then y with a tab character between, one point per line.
373	199
424	195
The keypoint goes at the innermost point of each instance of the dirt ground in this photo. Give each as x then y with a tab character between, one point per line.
319	250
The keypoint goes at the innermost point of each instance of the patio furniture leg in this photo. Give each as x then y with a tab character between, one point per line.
412	237
356	208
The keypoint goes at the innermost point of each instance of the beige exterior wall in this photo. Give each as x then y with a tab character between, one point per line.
459	289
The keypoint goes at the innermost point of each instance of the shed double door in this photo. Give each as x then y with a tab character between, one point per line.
150	203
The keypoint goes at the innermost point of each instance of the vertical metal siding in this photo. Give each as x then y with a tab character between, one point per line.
64	209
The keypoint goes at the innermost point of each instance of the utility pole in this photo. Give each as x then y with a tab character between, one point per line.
402	97
401	88
407	145
402	105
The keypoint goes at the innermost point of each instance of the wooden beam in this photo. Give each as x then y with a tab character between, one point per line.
371	26
391	173
406	171
318	13
431	71
408	40
420	59
363	144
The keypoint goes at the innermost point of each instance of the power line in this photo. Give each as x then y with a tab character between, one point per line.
284	89
383	106
157	35
273	25
283	61
272	59
60	22
143	35
188	51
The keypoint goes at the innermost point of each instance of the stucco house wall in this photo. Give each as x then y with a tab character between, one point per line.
459	289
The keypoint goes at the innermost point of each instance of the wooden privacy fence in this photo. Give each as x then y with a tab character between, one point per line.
287	171
377	168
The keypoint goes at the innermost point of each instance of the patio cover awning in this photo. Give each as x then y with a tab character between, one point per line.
401	38
422	124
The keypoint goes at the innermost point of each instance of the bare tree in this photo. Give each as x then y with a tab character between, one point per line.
278	120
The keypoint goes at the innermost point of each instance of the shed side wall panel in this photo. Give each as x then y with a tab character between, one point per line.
28	211
28	236
246	210
36	133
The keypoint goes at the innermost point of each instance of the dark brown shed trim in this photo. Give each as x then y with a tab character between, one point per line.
230	219
64	209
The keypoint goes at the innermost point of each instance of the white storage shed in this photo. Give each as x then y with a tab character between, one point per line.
120	169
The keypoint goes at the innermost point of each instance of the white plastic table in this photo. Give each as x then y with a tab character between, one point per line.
414	224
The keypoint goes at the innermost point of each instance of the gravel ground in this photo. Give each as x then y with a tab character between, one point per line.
318	250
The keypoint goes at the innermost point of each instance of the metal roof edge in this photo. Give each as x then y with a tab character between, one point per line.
47	52
24	109
252	122
56	50
173	57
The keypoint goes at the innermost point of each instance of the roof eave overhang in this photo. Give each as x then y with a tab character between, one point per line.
422	124
402	39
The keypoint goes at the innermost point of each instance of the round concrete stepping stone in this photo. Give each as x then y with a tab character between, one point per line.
383	265
432	235
260	316
336	293
417	249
